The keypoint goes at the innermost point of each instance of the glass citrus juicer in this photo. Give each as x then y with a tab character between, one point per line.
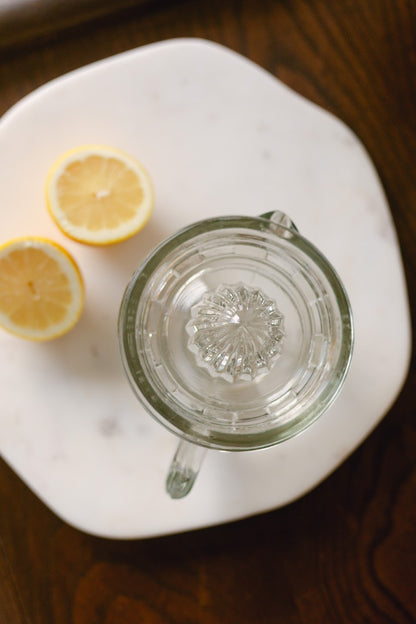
236	334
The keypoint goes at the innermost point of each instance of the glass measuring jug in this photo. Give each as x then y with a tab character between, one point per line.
236	334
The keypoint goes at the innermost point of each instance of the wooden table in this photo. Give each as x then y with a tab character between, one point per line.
346	552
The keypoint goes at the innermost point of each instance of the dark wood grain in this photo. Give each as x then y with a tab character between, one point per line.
26	22
344	553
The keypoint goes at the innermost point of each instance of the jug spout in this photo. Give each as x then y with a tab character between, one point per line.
280	220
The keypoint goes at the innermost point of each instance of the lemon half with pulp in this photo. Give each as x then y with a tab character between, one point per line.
41	289
99	195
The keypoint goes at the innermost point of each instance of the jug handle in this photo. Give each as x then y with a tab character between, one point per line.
184	469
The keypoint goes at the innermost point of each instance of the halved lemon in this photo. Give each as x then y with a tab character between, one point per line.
41	289
99	195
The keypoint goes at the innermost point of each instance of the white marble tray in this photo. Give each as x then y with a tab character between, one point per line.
219	136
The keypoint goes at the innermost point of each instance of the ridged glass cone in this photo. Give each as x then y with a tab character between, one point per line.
236	332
